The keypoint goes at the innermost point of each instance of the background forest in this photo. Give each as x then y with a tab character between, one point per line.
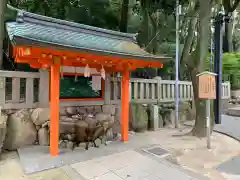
154	21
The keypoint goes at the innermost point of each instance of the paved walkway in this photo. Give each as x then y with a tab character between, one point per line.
230	125
129	160
128	165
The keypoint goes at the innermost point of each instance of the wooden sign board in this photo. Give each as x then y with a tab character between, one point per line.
207	85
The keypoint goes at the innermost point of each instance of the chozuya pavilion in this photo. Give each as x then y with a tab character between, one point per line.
44	42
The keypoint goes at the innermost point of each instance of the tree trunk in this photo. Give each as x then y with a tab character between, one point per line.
3	6
124	16
200	57
152	46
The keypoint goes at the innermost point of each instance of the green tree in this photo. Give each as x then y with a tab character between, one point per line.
195	52
229	7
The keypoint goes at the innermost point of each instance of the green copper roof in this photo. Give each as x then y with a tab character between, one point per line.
40	30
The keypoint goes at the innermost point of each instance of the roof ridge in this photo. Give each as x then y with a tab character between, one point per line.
24	16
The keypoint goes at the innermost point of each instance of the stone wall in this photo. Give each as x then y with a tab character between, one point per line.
167	114
31	126
3	130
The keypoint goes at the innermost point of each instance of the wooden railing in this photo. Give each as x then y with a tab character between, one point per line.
29	90
158	91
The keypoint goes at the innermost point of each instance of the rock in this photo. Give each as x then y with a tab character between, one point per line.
138	117
67	127
77	117
168	117
97	109
40	115
46	124
20	131
109	109
103	117
82	110
68	119
73	136
69	137
72	111
62	111
117	116
116	126
183	117
90	119
9	111
38	127
43	137
69	145
3	130
62	144
82	124
90	109
131	133
98	142
116	136
109	135
30	111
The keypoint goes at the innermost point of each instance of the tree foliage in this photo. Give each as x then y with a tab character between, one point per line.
154	20
99	13
231	66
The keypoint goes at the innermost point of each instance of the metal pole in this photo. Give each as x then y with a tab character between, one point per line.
176	66
208	103
218	66
208	123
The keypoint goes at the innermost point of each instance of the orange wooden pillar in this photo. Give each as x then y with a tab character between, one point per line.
54	108
125	105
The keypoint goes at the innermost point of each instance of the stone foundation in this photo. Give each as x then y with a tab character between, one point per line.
32	126
3	130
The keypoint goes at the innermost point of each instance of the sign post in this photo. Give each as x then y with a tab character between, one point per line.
207	91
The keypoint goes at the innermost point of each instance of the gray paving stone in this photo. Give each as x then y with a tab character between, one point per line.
131	172
172	174
37	158
72	173
163	164
230	126
108	176
89	169
151	177
231	166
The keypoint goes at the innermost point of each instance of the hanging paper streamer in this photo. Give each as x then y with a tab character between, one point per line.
96	83
103	73
88	75
118	75
87	71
